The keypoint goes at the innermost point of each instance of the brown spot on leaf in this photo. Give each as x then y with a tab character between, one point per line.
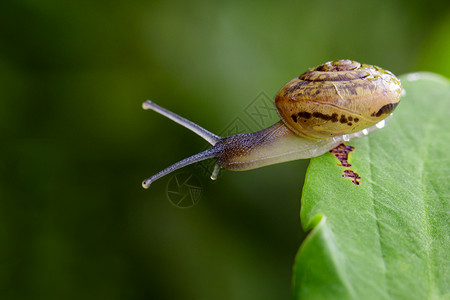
353	175
341	153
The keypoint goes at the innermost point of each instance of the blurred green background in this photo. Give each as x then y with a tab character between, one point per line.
75	222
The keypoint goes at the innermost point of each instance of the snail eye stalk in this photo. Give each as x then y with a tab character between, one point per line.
205	134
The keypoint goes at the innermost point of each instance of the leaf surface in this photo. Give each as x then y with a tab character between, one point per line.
387	238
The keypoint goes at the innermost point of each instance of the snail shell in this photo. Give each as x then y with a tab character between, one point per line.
337	98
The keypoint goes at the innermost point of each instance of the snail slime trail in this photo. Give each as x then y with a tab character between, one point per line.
323	107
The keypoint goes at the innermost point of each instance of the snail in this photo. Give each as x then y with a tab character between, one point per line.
318	110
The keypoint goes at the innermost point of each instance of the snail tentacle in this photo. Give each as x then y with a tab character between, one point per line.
210	153
215	172
205	134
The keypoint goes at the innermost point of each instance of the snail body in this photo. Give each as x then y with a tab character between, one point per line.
318	110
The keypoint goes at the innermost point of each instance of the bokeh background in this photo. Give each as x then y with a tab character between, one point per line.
75	222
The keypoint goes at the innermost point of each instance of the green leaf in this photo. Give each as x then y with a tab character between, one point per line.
387	238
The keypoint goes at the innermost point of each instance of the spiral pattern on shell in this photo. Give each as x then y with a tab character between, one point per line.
337	98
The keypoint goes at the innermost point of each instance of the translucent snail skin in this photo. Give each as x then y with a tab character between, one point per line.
318	110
